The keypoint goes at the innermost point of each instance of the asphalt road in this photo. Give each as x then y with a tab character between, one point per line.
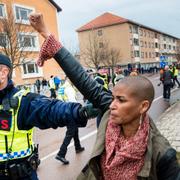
50	141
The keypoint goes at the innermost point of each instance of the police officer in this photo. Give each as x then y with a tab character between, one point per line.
20	111
102	78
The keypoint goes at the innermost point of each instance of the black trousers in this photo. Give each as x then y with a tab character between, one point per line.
53	93
72	132
166	91
175	80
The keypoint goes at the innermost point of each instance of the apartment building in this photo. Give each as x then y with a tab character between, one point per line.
26	71
137	43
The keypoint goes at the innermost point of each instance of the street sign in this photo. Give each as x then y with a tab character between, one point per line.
162	58
163	61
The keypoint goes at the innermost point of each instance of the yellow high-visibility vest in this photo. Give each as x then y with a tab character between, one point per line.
14	143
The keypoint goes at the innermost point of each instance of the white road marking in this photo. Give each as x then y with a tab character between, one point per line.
162	96
70	145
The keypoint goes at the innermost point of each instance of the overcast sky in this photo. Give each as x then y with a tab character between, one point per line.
163	15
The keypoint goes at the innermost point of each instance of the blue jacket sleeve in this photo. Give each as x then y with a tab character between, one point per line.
43	112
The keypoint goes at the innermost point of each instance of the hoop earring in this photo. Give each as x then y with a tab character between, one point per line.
140	119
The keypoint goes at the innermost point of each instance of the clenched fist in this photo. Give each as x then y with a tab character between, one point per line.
37	22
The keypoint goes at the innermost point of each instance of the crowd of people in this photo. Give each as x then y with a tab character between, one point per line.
128	145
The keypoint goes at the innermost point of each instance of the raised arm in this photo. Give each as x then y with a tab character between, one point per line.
91	90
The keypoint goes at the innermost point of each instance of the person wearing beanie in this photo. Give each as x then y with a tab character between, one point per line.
6	61
20	111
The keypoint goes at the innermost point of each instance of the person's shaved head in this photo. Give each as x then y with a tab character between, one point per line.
141	87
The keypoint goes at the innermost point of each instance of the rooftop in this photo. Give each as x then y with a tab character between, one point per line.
55	5
106	19
109	19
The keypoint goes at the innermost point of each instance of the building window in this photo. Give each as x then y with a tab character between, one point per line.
149	54
146	55
132	54
164	46
152	35
130	29
174	48
131	42
149	45
136	54
156	45
144	33
152	45
142	54
141	32
22	13
101	45
145	44
99	32
3	40
30	68
136	42
157	54
135	29
169	47
142	44
2	10
28	41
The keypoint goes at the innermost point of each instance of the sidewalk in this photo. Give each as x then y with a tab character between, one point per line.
169	122
169	125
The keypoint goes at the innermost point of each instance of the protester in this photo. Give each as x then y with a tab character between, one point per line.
167	83
117	76
20	111
128	144
38	85
102	78
175	72
68	94
57	82
52	87
44	83
134	73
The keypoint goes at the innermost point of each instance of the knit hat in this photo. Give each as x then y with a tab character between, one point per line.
5	61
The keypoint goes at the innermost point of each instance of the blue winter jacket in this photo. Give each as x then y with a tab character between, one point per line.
43	112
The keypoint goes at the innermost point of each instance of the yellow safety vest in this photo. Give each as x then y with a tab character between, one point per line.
104	80
14	143
61	94
176	72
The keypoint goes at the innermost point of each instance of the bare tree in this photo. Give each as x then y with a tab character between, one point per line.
99	53
92	55
11	43
112	57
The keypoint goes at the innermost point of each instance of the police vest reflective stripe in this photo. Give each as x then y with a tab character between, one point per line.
104	80
14	143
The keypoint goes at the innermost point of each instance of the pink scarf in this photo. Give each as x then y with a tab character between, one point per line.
124	158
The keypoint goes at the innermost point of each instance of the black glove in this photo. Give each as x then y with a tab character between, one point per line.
88	111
